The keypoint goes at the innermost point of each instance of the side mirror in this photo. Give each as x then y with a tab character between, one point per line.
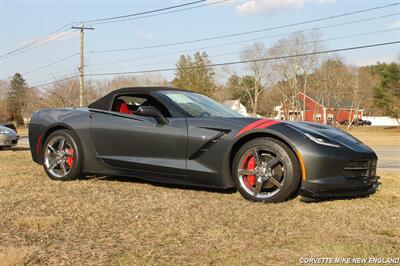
152	112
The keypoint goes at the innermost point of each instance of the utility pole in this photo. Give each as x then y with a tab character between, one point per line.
81	64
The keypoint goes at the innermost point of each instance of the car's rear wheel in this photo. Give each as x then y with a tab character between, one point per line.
266	170
62	156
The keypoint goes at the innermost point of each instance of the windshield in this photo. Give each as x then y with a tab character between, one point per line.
198	105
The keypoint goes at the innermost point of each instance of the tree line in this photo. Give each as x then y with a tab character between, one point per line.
259	85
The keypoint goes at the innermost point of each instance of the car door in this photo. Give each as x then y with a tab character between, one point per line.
137	143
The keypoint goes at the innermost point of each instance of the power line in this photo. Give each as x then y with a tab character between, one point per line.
36	41
39	42
246	32
243	41
324	40
238	42
51	64
56	81
143	13
249	61
229	63
40	79
163	13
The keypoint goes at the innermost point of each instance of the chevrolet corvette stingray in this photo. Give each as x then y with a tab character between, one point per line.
177	136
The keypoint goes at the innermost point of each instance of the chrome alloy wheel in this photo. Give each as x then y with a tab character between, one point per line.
261	172
59	156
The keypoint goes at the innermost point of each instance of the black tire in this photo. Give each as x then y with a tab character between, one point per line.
1	148
289	165
75	169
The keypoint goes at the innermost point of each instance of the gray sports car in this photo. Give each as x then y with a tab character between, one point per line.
8	137
177	136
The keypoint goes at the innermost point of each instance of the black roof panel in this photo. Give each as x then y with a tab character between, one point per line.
105	102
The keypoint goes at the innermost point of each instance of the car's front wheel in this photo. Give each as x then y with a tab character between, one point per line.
266	170
62	156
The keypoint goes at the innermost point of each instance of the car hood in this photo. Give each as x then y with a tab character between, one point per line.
331	133
9	129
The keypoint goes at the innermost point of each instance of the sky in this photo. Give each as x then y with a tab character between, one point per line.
24	21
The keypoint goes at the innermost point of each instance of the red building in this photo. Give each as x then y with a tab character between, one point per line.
316	112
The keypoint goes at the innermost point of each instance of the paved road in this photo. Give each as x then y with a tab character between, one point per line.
389	157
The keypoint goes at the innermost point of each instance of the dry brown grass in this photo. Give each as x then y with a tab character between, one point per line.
22	131
125	222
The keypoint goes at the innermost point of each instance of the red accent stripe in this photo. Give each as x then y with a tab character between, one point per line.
268	124
251	126
39	144
262	123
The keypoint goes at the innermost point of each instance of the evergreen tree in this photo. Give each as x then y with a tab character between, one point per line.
16	98
242	88
387	93
194	74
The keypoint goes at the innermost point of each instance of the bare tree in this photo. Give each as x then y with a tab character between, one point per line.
260	70
294	71
4	114
64	94
99	88
361	91
336	83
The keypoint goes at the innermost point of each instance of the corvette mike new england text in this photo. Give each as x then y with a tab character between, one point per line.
327	260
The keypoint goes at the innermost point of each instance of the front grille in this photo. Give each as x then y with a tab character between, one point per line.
359	170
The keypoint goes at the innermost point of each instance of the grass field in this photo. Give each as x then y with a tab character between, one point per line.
125	221
378	136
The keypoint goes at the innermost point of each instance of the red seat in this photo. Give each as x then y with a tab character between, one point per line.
122	107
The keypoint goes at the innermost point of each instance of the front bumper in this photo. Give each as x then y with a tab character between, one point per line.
348	171
339	187
8	140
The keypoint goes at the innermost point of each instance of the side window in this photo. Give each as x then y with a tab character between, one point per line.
129	104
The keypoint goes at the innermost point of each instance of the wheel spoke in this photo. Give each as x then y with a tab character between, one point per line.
63	168
52	148
259	185
246	172
256	156
61	144
53	166
275	182
274	162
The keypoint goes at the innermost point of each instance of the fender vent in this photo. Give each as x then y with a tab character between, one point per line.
209	144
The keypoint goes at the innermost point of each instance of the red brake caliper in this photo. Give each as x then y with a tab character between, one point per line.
250	164
70	160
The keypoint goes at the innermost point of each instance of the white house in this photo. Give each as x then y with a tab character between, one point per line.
236	106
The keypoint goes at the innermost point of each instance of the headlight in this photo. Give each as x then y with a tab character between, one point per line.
5	131
320	140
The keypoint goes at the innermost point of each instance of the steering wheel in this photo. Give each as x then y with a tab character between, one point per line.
205	114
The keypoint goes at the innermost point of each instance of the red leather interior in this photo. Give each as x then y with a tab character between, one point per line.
122	107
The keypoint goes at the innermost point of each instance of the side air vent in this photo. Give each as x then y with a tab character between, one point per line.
209	144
